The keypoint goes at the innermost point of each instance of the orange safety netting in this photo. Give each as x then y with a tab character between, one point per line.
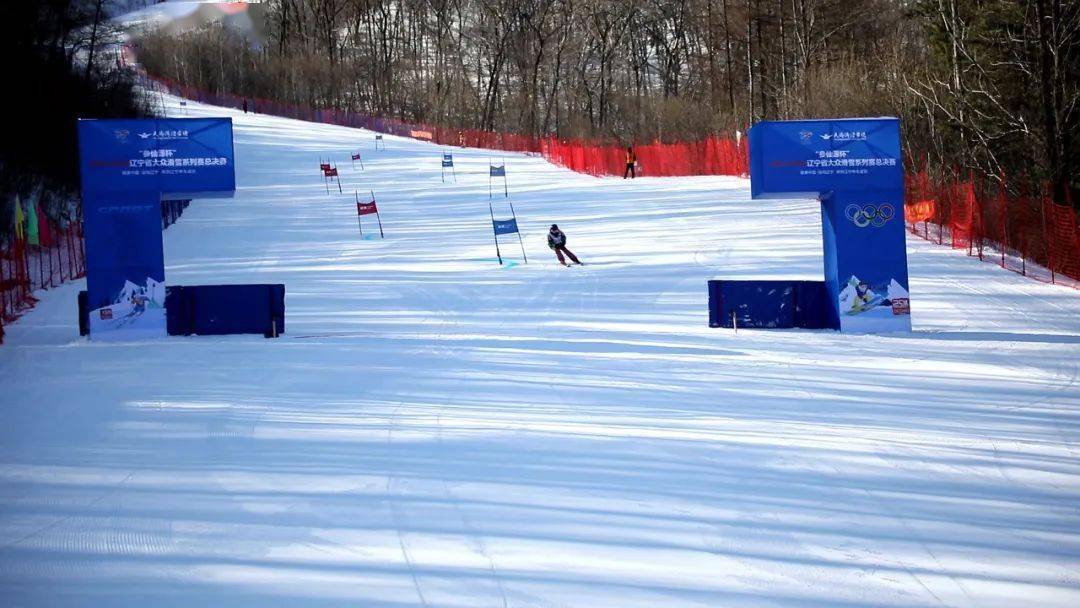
710	156
956	213
25	268
1021	228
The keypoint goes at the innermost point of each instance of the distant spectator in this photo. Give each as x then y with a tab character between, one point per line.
631	161
245	106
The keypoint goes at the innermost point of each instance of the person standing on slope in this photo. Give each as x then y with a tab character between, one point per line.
631	161
557	242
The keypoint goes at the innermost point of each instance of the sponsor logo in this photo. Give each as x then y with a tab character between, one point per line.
164	135
844	136
869	215
105	314
806	136
121	135
901	306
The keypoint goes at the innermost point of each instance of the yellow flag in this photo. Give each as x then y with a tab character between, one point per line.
19	218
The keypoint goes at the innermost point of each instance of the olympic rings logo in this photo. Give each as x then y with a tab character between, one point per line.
869	215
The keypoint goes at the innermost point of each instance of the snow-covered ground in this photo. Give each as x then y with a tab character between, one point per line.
437	430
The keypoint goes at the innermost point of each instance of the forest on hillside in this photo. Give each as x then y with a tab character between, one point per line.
63	53
986	85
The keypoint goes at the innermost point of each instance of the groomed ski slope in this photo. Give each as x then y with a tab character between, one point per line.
434	430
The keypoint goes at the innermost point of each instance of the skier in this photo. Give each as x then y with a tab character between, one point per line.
557	241
631	160
245	106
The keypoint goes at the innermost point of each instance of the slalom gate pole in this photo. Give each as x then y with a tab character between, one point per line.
378	216
489	186
326	182
361	161
490	210
506	188
338	176
359	218
520	241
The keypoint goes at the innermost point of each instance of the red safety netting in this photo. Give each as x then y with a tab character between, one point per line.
25	268
1014	229
710	156
58	257
1020	228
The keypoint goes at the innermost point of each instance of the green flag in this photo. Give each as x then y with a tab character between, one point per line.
18	219
33	237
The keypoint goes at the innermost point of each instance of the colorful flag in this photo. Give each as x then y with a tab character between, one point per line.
33	237
19	218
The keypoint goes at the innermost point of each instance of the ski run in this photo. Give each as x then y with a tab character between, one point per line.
437	430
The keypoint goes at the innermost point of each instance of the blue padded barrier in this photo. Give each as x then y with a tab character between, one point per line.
770	304
215	310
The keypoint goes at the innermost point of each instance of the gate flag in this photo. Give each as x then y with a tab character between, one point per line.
363	209
328	175
497	171
506	226
448	163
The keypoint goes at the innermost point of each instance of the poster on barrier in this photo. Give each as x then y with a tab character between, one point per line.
866	268
125	265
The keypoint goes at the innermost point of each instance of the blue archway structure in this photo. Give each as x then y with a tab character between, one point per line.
128	167
853	166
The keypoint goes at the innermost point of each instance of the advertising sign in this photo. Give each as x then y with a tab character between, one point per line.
814	156
854	167
128	167
172	156
125	274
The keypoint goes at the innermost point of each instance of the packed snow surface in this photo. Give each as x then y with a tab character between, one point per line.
437	430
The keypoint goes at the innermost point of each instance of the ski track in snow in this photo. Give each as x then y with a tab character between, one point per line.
435	430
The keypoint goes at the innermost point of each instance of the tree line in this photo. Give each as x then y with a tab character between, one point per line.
65	54
984	85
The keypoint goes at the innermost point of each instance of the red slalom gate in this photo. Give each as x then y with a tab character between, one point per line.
370	208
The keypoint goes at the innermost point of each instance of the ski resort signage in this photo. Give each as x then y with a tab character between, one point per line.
853	167
173	156
127	168
125	267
